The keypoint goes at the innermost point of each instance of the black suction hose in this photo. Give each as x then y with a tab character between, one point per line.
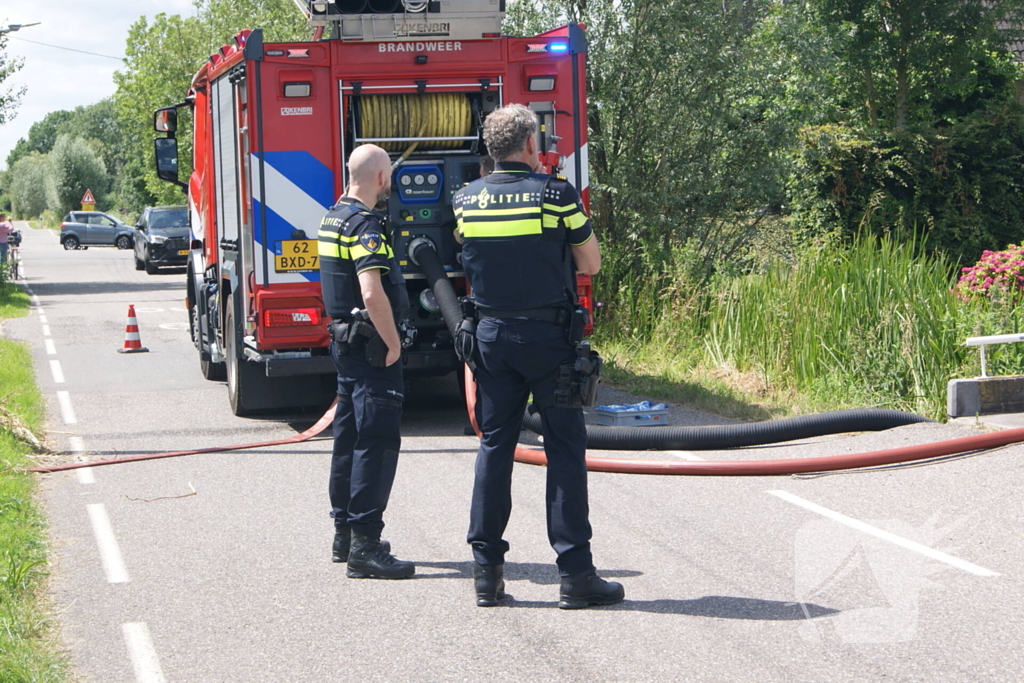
739	435
423	254
716	437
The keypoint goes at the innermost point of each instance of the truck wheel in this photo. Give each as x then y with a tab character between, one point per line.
215	372
236	386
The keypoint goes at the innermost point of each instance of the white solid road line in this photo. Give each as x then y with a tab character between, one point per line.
110	553
56	371
85	475
885	535
142	653
685	455
51	348
66	411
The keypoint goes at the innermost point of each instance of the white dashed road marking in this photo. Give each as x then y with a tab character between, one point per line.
58	373
86	476
51	348
66	411
142	653
42	319
110	553
46	330
174	326
885	535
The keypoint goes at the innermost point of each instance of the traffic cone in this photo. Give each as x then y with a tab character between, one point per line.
132	341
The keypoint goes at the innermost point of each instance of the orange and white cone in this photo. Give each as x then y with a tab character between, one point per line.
132	340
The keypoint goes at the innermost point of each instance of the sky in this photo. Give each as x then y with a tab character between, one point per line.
59	79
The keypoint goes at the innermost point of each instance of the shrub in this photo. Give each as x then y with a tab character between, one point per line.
998	275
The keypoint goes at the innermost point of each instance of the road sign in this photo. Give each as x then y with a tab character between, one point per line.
88	201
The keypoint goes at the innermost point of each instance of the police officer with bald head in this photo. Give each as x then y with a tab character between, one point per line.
525	235
365	296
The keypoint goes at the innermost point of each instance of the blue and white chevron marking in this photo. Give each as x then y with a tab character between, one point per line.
299	191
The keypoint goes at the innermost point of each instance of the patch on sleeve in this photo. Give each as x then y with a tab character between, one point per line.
372	241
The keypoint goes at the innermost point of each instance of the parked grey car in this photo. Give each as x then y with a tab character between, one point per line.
161	238
86	228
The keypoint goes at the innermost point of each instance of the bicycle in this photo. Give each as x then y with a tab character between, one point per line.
12	269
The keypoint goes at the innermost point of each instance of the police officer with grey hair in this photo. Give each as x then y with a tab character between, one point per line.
525	235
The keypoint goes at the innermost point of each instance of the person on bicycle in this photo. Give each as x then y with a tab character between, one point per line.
6	228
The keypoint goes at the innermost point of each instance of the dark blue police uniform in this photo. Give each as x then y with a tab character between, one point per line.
367	422
518	228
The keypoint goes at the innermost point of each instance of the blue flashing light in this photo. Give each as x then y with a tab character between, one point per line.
558	47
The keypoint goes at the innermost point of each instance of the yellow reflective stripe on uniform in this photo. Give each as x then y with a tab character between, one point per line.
332	235
332	250
458	211
529	226
561	209
524	211
576	220
359	251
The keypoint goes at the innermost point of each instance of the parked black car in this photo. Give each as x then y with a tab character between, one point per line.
161	238
85	228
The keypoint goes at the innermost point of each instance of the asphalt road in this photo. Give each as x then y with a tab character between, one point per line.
909	574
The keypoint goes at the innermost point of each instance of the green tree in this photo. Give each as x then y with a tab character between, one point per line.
161	57
903	58
9	97
28	179
41	136
74	167
686	128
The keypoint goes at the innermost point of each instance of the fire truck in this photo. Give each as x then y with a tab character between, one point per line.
273	125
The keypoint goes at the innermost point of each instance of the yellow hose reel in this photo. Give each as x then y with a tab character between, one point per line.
435	115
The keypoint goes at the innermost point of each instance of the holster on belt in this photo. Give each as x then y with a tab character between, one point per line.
359	336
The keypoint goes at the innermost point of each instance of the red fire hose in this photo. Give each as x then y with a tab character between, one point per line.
721	468
322	424
755	468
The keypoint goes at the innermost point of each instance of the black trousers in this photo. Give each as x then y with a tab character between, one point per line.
367	439
518	357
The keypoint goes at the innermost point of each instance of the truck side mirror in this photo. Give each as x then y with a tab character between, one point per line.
167	159
165	120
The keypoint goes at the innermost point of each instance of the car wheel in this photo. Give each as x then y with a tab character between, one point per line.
139	265
123	242
71	243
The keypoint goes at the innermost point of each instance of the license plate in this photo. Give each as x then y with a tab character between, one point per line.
297	256
183	252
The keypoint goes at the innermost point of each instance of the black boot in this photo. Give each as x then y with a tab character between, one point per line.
489	584
368	559
587	588
342	542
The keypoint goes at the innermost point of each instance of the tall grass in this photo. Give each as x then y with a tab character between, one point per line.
874	320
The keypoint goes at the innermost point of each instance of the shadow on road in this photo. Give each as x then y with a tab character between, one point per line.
83	288
534	572
714	606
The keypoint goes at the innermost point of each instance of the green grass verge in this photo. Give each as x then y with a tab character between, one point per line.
29	651
869	324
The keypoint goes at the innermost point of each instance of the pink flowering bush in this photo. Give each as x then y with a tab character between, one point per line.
999	275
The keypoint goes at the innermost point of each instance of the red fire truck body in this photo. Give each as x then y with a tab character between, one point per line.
273	126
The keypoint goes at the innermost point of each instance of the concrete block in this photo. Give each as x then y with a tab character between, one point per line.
985	396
